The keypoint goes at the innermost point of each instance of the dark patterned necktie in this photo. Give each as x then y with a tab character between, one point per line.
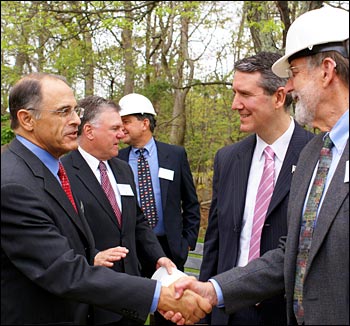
65	184
147	199
308	224
107	188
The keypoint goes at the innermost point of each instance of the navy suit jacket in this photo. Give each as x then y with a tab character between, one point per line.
47	250
181	211
135	233
221	248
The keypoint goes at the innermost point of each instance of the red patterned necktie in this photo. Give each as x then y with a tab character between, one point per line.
147	199
107	188
262	202
65	184
307	226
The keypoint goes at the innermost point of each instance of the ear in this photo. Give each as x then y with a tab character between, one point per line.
88	131
25	119
145	124
280	97
328	70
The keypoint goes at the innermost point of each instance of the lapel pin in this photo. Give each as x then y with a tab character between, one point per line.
293	168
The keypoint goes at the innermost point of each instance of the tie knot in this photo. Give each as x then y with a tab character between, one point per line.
269	153
141	151
102	166
61	172
327	143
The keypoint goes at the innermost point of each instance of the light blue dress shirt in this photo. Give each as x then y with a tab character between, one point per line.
49	161
152	157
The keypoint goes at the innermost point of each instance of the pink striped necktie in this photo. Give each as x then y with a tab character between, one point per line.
262	202
107	188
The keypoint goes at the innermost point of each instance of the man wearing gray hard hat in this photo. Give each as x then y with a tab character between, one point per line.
312	264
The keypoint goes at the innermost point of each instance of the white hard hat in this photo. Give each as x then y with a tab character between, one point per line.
315	31
135	103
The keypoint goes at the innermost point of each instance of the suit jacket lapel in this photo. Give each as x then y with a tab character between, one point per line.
87	177
282	186
51	184
240	166
163	161
336	193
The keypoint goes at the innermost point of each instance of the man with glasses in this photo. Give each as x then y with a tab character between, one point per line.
312	265
234	235
48	275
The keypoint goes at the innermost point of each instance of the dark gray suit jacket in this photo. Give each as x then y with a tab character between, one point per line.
221	249
180	205
326	288
135	234
47	250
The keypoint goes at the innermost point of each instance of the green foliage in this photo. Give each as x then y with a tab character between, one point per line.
7	133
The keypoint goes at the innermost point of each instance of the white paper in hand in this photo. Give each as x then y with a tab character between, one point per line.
166	279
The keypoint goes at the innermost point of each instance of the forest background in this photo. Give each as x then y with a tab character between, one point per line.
180	54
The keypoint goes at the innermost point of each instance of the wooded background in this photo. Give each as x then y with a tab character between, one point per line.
180	54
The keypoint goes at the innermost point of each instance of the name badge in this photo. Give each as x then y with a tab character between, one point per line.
346	176
166	174
125	189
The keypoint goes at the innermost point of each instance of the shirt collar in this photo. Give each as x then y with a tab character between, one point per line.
91	160
340	132
280	145
150	148
49	161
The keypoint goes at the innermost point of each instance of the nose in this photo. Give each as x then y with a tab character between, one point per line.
289	87
75	119
236	104
121	134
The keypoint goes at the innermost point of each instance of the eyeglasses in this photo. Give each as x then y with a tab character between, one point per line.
290	71
65	113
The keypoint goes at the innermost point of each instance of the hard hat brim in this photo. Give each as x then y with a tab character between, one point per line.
280	67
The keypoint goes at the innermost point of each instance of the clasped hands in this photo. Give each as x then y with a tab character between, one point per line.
184	302
187	300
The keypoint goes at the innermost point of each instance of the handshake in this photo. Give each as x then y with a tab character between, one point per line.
186	300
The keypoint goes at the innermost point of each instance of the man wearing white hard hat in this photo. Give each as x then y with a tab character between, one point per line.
312	265
177	206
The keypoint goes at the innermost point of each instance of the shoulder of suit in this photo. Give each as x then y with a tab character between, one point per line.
243	144
161	145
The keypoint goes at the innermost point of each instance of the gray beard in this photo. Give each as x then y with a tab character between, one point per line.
303	116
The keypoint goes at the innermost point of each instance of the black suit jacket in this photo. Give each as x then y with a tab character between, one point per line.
221	247
180	204
47	250
135	234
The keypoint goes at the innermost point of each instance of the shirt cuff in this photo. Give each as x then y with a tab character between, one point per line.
218	291
156	297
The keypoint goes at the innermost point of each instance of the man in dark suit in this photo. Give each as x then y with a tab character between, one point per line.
175	195
99	133
264	110
312	265
50	271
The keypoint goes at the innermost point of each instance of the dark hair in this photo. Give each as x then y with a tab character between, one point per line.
26	94
93	105
150	117
262	62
